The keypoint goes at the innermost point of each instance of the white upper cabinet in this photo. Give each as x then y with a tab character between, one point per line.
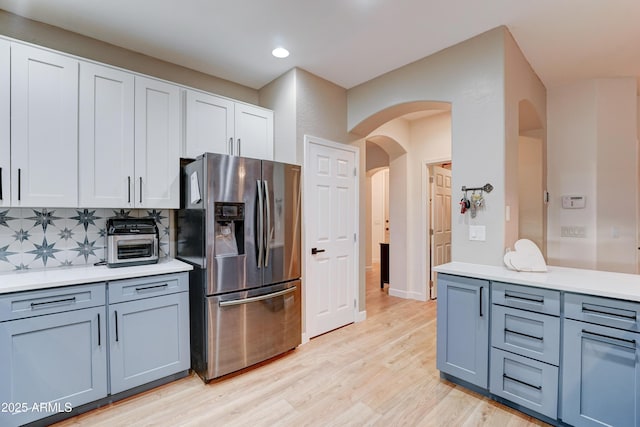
253	132
209	124
157	144
106	127
44	128
220	125
5	121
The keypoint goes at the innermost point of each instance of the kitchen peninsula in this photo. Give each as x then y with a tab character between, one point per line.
547	344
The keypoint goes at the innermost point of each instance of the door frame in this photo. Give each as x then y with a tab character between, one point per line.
306	249
427	245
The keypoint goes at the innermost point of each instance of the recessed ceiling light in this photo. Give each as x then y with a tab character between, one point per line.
280	52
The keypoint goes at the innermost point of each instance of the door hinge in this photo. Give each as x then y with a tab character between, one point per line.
431	232
355	238
354	303
355	173
431	179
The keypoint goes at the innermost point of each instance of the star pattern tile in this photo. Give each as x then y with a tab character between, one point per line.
67	236
44	218
44	251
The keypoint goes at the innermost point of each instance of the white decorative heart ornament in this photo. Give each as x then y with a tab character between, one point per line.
526	256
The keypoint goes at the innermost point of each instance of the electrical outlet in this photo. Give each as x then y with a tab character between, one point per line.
477	232
575	231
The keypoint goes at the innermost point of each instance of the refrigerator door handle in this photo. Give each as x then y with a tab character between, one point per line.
254	299
260	221
268	229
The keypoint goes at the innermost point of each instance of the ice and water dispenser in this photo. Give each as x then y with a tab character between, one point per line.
229	229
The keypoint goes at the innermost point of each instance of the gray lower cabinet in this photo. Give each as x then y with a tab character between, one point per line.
525	340
53	352
149	335
66	347
463	328
601	364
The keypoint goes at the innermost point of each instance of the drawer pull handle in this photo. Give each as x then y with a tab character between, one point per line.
154	287
632	342
71	300
524	335
528	299
608	313
537	387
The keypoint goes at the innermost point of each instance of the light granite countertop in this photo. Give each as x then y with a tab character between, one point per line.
27	280
593	282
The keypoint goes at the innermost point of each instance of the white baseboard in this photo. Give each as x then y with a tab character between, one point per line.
361	316
305	338
407	295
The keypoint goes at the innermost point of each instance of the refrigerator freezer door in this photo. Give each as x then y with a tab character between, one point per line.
282	221
245	328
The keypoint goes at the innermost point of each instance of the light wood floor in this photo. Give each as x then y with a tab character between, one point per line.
380	372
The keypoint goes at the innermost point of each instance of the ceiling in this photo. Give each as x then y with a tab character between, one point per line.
351	41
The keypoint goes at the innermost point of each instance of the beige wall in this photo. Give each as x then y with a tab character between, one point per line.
75	44
470	76
280	96
530	189
521	83
592	151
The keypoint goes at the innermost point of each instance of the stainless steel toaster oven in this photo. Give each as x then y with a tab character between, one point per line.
131	241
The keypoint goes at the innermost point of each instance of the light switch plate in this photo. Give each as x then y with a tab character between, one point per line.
478	232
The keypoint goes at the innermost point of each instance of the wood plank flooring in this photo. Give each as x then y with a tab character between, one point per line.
380	372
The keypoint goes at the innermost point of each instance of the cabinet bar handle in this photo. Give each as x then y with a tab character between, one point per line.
116	312
19	184
231	146
58	301
481	301
129	189
239	150
591	310
524	335
538	300
148	288
0	183
537	387
141	190
632	342
99	340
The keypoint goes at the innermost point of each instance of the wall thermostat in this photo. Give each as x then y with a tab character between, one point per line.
573	202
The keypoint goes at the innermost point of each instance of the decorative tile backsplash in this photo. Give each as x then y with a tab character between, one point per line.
52	237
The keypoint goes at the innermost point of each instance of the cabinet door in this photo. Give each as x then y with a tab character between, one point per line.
209	124
463	328
58	360
254	132
44	128
601	376
149	340
5	122
157	144
106	137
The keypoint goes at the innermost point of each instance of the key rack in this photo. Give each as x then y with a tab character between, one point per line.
486	188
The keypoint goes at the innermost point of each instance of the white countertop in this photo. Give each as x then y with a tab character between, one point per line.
601	283
26	280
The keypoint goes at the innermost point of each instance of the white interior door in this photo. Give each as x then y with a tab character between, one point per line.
330	212
441	217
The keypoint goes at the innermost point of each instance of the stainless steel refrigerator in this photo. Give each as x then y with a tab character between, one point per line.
239	226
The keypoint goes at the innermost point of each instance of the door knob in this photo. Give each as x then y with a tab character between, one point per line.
316	251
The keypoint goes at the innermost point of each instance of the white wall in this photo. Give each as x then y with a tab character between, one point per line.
592	151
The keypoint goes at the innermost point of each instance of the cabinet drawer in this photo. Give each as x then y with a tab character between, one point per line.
529	334
524	381
526	297
147	287
603	311
56	300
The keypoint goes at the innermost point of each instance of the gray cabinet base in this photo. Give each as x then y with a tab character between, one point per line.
107	400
